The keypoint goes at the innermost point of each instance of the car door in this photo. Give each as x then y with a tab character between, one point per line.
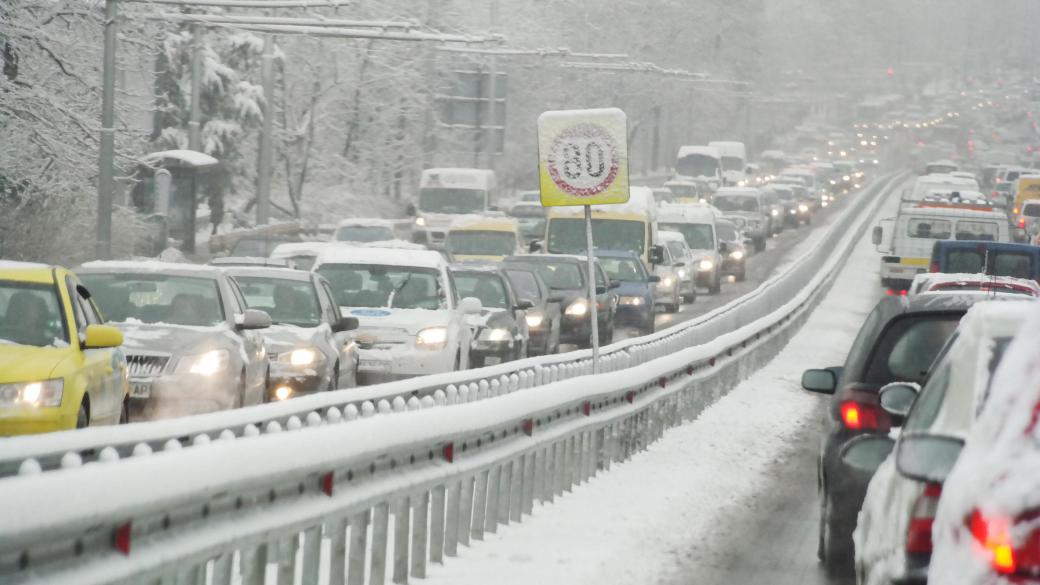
101	370
253	346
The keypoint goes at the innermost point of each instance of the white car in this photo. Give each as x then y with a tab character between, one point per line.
411	320
986	530
893	534
942	282
687	273
300	254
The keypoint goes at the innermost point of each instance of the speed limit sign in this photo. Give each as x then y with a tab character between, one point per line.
583	157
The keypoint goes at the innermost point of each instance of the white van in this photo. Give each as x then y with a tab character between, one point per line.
926	185
734	161
703	163
907	240
697	224
445	194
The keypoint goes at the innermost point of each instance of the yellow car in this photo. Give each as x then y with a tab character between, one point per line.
60	368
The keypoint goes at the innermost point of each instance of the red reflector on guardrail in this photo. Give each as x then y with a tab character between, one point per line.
122	541
662	381
528	427
449	452
327	481
630	396
586	408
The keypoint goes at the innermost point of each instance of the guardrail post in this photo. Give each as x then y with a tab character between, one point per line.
451	520
505	489
527	490
437	524
287	559
222	568
559	460
420	529
192	575
491	513
480	499
311	555
254	564
380	530
402	520
465	510
516	489
337	532
355	557
573	461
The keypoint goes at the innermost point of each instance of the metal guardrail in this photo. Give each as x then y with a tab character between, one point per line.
388	495
35	454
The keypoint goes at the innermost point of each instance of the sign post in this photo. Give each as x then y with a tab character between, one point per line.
583	160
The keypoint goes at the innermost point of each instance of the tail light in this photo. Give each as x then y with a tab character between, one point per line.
994	535
896	293
995	193
857	416
919	532
1021	222
934	267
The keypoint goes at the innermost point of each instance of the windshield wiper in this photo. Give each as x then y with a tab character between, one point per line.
397	289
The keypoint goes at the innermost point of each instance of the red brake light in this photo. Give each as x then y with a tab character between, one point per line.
934	267
919	533
1021	222
859	417
993	535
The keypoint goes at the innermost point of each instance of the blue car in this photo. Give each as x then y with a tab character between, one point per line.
985	257
635	289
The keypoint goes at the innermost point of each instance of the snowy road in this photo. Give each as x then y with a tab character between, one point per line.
727	499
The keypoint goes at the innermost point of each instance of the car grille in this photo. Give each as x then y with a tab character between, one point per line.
146	365
381	338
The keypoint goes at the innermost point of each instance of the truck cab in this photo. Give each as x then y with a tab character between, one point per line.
445	194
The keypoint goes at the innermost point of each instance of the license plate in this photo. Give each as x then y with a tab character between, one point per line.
140	389
379	365
492	360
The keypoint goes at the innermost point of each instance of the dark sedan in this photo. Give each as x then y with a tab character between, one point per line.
500	332
734	255
635	289
897	342
544	317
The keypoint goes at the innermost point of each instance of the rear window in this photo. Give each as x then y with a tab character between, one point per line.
1013	264
932	229
908	347
1031	210
977	230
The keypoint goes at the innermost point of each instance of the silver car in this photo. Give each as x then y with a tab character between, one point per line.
308	344
191	342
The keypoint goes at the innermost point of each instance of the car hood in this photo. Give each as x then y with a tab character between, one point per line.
281	338
633	288
26	363
172	339
410	320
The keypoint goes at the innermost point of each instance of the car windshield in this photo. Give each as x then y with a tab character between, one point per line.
452	201
699	236
624	269
697	165
556	274
525	284
481	243
486	286
30	314
288	302
149	297
567	235
1031	210
908	346
677	250
930	229
378	285
735	202
364	233
732	163
726	232
254	248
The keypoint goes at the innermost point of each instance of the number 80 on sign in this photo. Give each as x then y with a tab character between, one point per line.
583	157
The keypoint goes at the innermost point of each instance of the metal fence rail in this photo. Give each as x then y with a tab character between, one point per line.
381	497
35	454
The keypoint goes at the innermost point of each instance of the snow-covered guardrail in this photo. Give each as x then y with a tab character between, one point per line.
382	496
33	454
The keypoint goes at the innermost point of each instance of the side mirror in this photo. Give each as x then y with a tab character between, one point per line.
820	381
252	319
410	210
875	236
346	324
679	264
555	299
867	452
534	246
471	306
101	336
927	458
524	305
600	289
614	284
723	247
656	254
897	398
654	278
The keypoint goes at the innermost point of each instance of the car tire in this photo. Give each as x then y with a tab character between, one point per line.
716	286
742	276
124	412
83	415
760	243
834	548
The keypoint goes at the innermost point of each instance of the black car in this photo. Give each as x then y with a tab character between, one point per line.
635	290
565	275
544	317
734	257
500	330
897	342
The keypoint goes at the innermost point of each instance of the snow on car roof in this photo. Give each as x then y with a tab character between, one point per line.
492	222
386	256
149	266
741	191
299	248
705	150
191	157
269	272
368	222
681	212
17	265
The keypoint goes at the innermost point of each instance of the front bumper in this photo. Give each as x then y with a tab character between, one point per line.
30	421
172	395
404	361
640	316
576	330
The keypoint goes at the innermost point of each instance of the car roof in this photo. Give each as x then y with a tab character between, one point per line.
27	272
150	266
368	222
940	303
478	267
269	272
573	258
386	256
618	254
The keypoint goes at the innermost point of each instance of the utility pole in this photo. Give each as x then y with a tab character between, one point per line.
195	122
106	172
491	133
429	74
263	192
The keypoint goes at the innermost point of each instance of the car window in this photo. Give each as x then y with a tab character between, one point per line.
287	301
677	250
31	314
1013	264
908	347
238	298
526	285
77	306
378	285
624	269
930	400
977	230
152	297
932	229
486	286
328	302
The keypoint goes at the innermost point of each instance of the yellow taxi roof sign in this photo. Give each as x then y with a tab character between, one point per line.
583	157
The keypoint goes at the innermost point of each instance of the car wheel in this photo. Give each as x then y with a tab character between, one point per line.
124	412
83	416
716	286
742	275
835	541
760	244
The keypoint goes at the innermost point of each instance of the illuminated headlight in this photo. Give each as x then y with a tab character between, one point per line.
205	364
578	308
823	203
803	208
305	356
737	255
846	178
681	273
534	320
420	221
283	393
776	212
741	183
495	335
706	265
667	282
432	338
833	182
792	212
43	393
631	301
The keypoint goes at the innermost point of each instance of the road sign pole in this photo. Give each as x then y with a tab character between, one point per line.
593	308
106	172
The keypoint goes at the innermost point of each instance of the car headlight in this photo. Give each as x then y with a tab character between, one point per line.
205	364
305	356
578	308
496	334
737	254
706	265
791	211
833	182
803	208
775	212
667	282
420	221
534	320
631	301
681	273
432	338
42	393
846	178
823	203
